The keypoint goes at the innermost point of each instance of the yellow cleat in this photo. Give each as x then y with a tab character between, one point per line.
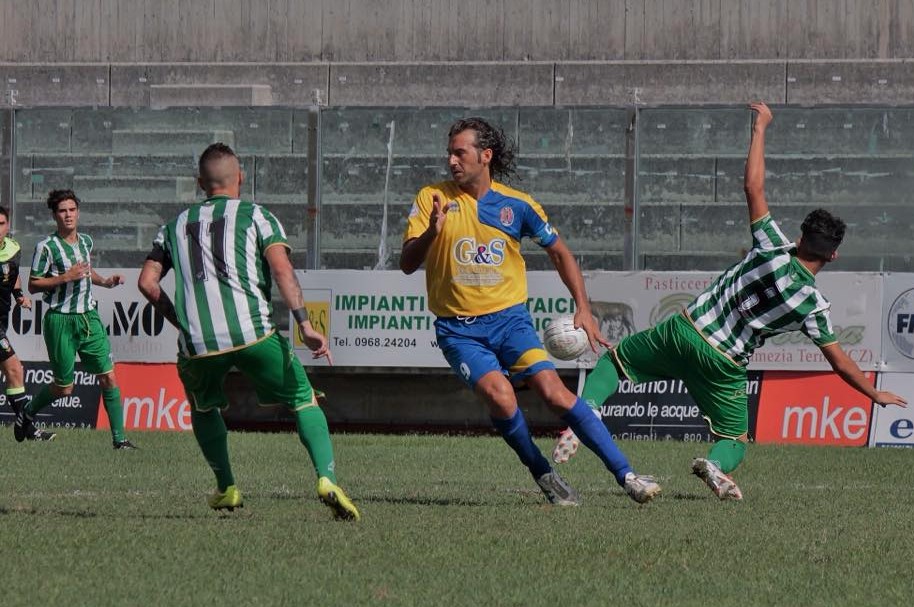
227	500
334	497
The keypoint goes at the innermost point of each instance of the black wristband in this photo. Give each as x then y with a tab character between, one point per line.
18	294
299	315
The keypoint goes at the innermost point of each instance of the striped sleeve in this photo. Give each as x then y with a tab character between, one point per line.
41	261
818	327
767	235
269	230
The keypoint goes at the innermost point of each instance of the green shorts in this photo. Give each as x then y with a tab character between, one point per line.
67	335
675	349
277	375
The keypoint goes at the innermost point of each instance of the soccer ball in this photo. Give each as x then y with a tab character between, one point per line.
563	341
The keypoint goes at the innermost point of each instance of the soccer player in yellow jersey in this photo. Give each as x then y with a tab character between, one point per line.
468	232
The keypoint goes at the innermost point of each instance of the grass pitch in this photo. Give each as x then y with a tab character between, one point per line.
446	521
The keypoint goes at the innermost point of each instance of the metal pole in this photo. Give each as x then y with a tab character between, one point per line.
313	222
7	158
631	258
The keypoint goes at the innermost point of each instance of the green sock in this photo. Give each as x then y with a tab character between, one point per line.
112	399
601	383
212	436
315	436
727	454
39	401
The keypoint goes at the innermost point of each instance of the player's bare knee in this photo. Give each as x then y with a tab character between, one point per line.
554	393
107	381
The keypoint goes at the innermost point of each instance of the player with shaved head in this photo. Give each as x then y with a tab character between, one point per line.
225	253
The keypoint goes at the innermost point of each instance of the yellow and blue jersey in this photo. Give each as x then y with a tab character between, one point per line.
475	266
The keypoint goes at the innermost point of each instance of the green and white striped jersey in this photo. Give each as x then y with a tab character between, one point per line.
53	257
767	293
222	282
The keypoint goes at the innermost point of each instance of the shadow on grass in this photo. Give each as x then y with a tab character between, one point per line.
86	514
418	500
691	497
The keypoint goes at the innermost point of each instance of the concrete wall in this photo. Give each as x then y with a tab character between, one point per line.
490	84
441	30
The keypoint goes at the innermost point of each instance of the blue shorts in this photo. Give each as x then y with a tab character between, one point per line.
503	341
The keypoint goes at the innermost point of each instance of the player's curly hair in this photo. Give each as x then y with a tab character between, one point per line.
822	234
55	197
504	163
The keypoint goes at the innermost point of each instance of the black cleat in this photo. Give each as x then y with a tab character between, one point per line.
124	444
19	427
25	429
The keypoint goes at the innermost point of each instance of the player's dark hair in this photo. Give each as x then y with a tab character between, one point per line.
215	151
504	164
55	197
5	212
822	234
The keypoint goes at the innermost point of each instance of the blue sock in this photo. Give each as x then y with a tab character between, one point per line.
594	434
515	432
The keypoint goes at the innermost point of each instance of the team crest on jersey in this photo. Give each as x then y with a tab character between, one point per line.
506	216
452	207
5	345
6	271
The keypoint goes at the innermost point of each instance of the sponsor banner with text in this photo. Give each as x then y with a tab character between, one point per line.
153	398
813	409
664	410
78	410
382	318
137	332
894	426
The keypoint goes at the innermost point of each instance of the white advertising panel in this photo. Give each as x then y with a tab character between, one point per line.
382	318
894	426
137	332
898	322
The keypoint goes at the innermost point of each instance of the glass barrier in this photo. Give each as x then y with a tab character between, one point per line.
856	162
374	161
134	169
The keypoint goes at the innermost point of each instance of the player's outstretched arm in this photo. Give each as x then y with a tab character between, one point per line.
570	272
415	250
848	370
754	178
149	285
284	274
109	283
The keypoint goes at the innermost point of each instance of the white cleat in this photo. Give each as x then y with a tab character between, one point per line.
568	442
720	483
566	446
641	488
